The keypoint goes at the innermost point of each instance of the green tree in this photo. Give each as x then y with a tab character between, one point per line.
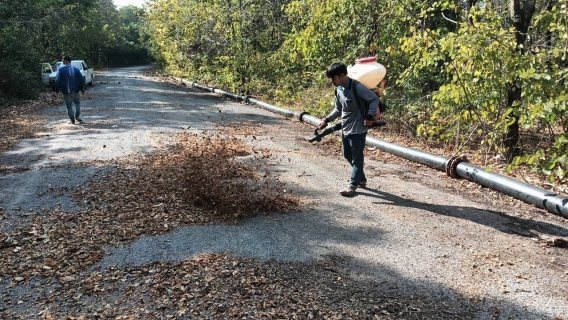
229	42
32	32
503	72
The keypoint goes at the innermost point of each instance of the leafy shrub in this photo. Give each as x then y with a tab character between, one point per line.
16	82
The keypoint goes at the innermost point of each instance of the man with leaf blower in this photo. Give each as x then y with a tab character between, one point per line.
358	108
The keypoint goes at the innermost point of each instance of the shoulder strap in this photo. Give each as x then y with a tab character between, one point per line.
363	105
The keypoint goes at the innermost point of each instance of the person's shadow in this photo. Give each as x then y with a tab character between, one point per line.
494	219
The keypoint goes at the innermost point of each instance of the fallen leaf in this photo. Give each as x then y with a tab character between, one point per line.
66	279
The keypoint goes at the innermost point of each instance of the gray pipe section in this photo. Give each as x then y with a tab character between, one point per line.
541	198
272	108
187	83
204	88
426	158
229	95
310	119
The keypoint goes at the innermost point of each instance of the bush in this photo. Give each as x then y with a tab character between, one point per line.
16	82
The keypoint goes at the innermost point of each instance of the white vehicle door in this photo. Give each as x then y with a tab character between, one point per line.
46	70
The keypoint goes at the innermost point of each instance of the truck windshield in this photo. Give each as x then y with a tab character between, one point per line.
76	64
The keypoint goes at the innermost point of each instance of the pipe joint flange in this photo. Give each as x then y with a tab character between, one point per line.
247	99
300	117
452	163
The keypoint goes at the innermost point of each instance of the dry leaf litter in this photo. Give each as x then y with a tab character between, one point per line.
200	180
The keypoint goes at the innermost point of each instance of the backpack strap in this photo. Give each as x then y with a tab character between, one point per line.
362	105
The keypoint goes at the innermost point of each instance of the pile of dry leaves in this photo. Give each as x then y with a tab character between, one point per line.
200	180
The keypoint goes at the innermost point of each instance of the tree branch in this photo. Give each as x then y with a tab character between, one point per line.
450	20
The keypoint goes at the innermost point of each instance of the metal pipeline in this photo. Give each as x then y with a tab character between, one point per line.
272	108
541	198
306	117
187	83
229	95
204	88
426	158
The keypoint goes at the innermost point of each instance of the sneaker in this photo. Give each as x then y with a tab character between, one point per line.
347	192
79	119
72	122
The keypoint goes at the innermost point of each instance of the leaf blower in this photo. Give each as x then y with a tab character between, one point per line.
336	127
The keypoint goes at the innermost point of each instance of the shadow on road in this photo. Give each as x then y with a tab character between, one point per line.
494	219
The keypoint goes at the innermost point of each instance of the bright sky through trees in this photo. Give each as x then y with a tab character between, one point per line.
122	3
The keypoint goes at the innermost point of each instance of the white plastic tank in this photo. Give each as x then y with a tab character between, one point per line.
367	71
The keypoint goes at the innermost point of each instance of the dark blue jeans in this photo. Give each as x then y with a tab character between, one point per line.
353	147
69	100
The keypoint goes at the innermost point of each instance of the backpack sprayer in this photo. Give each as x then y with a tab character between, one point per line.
370	73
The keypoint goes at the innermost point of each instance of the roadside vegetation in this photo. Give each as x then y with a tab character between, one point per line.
481	76
32	32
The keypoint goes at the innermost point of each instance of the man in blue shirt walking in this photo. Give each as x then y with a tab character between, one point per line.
70	81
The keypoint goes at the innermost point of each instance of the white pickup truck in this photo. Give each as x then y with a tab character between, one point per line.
48	75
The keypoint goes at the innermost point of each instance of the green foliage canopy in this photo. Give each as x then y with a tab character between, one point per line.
32	32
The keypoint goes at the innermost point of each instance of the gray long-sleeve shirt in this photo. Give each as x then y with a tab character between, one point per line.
352	119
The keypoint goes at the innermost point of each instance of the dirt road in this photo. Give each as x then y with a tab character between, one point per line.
439	248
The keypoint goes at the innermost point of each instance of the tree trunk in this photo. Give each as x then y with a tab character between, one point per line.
511	138
375	32
470	4
521	13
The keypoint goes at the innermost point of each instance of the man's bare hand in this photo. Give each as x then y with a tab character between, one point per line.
322	125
